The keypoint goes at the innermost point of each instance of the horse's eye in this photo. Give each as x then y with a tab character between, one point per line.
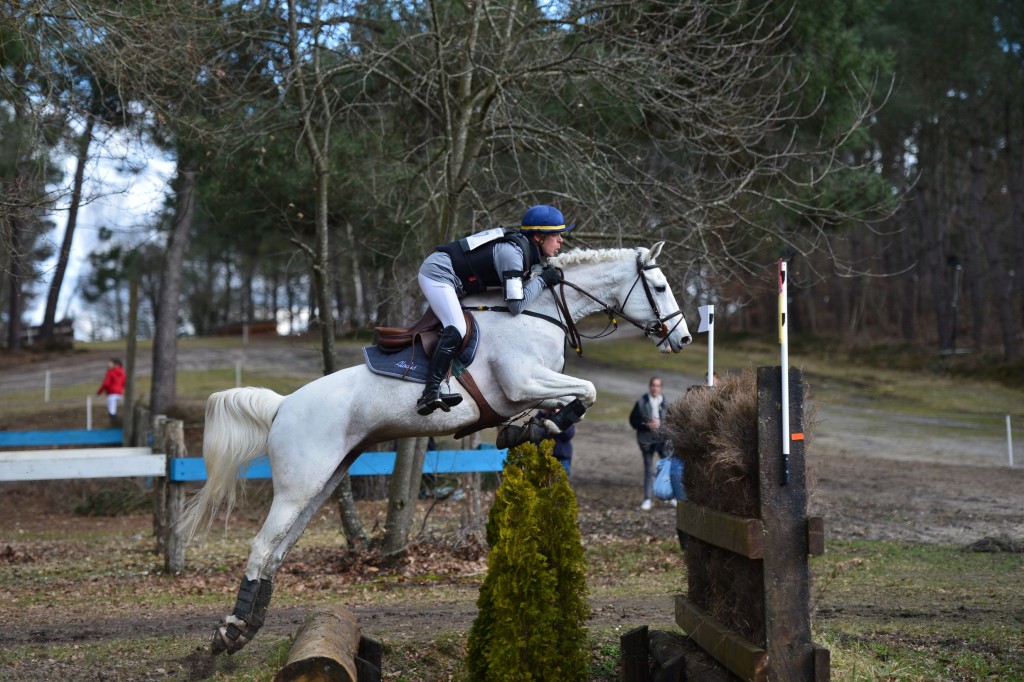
660	289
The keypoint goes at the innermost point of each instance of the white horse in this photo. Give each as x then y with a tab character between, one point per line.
313	435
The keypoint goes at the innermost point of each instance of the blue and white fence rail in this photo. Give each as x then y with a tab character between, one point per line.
166	463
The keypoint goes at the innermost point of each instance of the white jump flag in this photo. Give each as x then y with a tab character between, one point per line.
707	324
784	343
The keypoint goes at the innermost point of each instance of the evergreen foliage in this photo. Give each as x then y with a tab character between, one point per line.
532	606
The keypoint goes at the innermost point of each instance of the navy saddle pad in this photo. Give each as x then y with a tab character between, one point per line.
411	363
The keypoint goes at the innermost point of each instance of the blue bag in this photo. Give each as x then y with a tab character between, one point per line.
663	479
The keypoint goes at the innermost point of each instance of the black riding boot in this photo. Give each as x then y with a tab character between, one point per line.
440	364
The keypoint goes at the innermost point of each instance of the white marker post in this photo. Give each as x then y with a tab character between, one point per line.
88	413
46	388
784	343
1009	440
238	373
707	324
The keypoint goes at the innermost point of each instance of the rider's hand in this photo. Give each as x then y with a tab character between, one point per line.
551	276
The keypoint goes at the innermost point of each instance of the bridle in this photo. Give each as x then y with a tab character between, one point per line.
655	327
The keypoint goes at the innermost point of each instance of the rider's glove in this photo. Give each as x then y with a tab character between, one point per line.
551	276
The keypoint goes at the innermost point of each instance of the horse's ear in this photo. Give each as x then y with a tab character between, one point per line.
653	253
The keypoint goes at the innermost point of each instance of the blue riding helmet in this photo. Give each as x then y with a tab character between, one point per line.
546	219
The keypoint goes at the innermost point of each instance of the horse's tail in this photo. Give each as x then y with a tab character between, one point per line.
236	432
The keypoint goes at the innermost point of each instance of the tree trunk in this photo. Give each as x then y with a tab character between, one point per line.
351	526
165	336
401	500
359	317
472	514
82	157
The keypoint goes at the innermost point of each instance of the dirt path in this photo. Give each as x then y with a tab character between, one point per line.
878	476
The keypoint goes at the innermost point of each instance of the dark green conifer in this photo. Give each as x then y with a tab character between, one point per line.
532	606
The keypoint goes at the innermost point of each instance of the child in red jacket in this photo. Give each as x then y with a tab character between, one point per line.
113	386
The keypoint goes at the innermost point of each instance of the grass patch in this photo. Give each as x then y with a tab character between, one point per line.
919	612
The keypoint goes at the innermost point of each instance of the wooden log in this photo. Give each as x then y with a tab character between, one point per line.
325	648
636	665
734	533
668	649
744	659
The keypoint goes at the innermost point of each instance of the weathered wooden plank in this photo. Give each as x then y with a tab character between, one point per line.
92	467
734	533
783	509
71	453
325	648
636	665
744	659
815	536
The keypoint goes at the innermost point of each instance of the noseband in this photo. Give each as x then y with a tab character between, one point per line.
652	328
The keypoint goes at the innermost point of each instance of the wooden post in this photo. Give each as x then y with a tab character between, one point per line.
325	648
636	665
159	488
174	542
783	510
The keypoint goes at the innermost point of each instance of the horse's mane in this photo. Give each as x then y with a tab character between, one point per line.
582	256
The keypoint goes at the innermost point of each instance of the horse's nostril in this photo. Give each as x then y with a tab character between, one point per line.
687	340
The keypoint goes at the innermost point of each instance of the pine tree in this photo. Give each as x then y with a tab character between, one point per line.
532	606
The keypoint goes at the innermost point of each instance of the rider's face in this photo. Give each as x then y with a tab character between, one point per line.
550	245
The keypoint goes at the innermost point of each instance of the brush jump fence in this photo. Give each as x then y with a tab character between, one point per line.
165	460
748	600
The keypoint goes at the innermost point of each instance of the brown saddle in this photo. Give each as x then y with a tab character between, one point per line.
426	329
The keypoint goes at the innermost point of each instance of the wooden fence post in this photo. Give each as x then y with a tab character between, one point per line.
784	515
159	487
174	542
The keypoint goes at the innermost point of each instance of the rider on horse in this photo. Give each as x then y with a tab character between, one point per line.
485	260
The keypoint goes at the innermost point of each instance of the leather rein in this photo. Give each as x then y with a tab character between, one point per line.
651	328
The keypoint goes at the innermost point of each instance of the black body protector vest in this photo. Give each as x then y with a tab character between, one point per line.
473	259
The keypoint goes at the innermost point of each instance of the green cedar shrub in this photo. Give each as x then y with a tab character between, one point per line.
533	606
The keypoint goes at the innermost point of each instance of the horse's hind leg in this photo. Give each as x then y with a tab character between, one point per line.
288	517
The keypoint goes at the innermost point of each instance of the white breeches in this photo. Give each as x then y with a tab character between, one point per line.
445	303
112	400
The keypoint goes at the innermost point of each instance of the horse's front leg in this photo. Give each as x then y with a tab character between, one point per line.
546	388
549	389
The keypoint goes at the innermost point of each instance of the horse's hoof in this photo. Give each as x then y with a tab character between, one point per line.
229	637
513	435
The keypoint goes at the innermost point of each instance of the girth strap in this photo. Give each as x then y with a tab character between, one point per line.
488	417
